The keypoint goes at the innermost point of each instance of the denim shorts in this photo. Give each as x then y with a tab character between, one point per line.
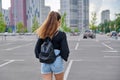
56	67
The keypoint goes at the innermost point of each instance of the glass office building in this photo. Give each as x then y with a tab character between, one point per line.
26	10
0	5
105	16
77	13
36	8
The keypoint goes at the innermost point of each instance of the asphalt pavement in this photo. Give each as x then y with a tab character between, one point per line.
90	59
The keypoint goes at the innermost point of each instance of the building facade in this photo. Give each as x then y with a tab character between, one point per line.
18	12
44	10
77	12
6	14
35	9
32	11
0	5
26	10
105	16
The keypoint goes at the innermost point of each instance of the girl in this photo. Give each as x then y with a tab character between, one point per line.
50	28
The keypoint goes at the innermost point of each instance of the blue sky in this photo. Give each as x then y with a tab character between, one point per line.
95	5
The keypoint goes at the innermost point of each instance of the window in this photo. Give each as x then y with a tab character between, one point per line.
38	14
74	2
27	16
73	21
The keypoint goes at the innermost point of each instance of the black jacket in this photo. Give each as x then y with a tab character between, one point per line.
59	42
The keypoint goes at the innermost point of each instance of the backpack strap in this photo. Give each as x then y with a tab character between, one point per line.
55	34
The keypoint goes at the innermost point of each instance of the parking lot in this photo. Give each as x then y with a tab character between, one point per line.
90	59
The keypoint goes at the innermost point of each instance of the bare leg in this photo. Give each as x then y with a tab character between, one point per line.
59	76
47	76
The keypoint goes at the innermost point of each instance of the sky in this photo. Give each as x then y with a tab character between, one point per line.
95	6
99	5
5	4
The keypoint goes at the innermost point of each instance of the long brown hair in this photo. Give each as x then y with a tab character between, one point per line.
49	26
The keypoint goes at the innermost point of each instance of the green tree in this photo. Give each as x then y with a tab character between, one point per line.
2	23
112	24
9	30
21	28
106	26
35	24
93	21
64	26
102	28
117	22
76	30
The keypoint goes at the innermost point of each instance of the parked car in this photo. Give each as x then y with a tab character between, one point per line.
119	34
114	34
108	34
89	34
74	34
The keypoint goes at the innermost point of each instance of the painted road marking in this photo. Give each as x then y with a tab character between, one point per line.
18	47
111	56
107	46
10	61
77	45
111	51
14	60
68	68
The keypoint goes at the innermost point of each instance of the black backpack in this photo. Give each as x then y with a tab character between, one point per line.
47	54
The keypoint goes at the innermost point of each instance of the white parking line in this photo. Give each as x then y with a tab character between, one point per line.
10	61
111	56
107	46
17	47
111	51
68	68
15	60
77	45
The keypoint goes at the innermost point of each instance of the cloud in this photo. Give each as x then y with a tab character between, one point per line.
95	6
5	4
113	6
92	7
100	5
54	4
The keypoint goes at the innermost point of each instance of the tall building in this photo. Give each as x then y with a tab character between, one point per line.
35	8
32	11
44	10
77	13
26	11
0	5
6	14
18	12
105	16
